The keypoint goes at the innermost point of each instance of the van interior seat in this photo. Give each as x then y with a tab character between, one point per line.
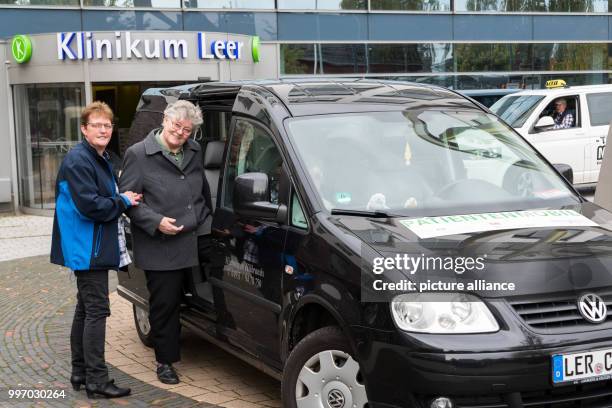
213	157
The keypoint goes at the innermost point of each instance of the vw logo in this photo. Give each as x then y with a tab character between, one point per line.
335	399
592	308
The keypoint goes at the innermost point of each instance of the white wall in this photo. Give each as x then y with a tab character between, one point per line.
6	143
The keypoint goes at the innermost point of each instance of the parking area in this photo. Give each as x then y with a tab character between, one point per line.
36	309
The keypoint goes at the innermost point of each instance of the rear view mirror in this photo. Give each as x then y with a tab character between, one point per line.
252	198
566	171
544	122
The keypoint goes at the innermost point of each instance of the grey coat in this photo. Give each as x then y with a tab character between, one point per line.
168	191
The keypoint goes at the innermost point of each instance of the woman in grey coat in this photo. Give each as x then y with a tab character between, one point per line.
166	167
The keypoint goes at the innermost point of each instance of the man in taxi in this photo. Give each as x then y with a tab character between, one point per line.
563	119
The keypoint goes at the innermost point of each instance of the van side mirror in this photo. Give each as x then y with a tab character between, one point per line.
566	171
252	198
544	122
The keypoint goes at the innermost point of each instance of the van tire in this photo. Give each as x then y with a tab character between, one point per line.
341	373
143	328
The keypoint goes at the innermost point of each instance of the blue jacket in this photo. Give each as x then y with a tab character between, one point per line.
87	207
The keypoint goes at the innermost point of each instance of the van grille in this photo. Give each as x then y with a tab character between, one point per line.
559	312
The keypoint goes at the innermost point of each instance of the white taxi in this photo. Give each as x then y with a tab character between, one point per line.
567	125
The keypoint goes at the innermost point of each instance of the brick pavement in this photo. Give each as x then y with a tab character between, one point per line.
36	309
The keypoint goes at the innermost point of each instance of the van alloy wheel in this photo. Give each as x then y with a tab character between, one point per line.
143	326
330	379
322	372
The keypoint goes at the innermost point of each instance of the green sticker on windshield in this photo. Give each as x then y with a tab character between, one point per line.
343	198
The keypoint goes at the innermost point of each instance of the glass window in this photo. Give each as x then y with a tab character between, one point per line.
392	58
342	58
422	162
41	2
570	57
233	4
515	110
565	111
133	3
311	59
252	150
47	127
322	4
600	109
298	218
411	5
573	6
493	57
298	59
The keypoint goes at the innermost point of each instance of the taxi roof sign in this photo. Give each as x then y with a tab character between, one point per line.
556	83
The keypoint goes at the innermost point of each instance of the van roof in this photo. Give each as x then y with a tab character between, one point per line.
311	96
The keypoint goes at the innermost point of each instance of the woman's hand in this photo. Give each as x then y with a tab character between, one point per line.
134	198
166	226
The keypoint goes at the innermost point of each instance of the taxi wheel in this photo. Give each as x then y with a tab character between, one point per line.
143	327
519	179
321	372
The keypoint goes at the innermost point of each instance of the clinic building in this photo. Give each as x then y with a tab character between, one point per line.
58	55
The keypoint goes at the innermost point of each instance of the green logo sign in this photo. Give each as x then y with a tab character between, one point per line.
255	48
21	48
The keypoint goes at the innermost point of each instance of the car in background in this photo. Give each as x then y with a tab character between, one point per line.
580	146
487	97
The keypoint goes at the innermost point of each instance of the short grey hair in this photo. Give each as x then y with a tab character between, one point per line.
184	110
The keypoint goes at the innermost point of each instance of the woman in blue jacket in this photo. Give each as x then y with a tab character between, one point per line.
87	239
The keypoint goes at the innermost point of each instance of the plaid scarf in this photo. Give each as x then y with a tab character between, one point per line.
124	256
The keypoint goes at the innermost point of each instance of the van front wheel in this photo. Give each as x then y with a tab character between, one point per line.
143	327
321	372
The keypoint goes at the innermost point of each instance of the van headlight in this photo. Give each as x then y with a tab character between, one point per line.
442	313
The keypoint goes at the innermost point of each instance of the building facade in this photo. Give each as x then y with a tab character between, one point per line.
114	49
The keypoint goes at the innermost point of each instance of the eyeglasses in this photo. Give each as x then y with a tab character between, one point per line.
107	126
186	130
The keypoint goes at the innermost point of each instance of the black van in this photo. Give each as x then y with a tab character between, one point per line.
383	244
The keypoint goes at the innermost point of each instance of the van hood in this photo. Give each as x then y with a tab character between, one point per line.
569	251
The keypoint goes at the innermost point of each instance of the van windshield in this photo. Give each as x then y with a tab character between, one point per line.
516	109
427	161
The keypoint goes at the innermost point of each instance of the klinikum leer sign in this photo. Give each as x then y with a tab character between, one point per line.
126	45
21	48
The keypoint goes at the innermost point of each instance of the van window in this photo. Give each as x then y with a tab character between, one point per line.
600	108
298	219
571	116
422	162
252	150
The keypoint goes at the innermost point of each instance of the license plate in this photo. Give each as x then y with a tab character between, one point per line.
582	367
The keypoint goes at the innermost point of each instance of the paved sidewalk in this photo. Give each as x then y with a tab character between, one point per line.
36	309
208	374
24	236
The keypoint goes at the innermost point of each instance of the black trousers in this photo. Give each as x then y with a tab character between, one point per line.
165	293
88	332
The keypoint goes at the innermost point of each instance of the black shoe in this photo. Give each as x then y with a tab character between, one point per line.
77	381
108	390
166	374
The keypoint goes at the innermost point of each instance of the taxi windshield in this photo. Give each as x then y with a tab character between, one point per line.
428	161
516	109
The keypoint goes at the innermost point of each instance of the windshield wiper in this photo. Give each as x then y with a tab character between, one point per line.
361	213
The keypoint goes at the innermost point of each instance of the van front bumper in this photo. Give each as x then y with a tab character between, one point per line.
396	376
